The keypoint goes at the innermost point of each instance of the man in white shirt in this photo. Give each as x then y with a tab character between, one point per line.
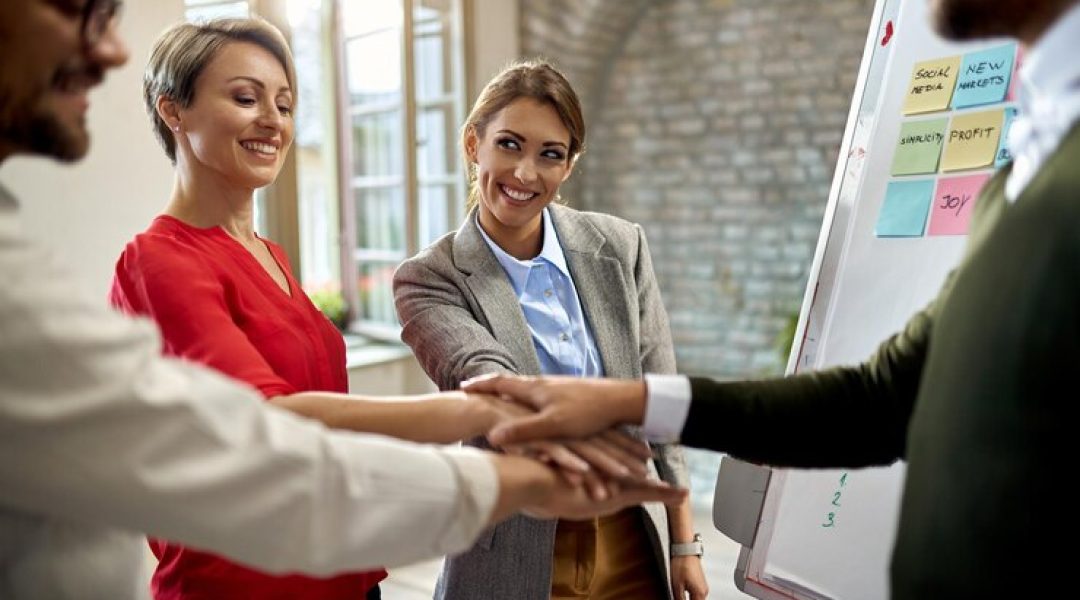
101	437
973	393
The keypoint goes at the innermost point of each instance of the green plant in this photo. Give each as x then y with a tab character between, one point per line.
786	337
332	304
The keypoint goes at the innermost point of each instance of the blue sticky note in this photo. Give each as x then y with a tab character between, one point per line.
984	76
903	214
1003	155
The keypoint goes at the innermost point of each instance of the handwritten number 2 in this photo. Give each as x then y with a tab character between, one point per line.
830	520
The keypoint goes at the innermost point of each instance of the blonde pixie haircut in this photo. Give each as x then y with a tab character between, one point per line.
183	51
536	79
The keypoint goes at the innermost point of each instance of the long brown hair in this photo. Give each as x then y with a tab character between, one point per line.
536	79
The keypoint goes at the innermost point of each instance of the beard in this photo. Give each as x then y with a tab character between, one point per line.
29	125
961	20
43	134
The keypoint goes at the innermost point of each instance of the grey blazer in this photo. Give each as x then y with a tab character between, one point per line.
461	318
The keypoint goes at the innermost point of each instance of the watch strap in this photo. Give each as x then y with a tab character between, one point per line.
693	548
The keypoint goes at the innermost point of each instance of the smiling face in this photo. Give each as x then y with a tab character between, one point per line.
521	158
239	125
46	74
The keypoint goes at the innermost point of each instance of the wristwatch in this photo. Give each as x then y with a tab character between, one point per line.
693	548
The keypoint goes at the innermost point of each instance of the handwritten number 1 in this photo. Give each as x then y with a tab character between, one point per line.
830	520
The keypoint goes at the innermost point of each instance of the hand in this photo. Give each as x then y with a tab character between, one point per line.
574	502
612	454
615	454
560	411
687	577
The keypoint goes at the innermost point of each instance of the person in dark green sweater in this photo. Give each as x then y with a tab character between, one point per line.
973	393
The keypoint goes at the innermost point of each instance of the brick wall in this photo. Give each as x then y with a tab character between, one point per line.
716	125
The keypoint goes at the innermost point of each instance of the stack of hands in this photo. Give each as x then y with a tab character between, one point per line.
577	430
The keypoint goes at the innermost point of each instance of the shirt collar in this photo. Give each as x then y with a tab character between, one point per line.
1050	67
518	270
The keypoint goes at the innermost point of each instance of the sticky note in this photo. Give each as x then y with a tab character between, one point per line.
972	140
984	76
931	85
954	201
903	213
919	147
1003	155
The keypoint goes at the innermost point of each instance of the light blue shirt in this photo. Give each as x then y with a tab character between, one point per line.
552	309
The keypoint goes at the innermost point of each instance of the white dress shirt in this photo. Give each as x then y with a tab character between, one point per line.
101	438
1049	108
1049	98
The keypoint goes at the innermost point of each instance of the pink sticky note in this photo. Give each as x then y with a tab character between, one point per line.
1014	80
954	201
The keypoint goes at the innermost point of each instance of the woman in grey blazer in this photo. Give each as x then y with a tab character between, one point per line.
527	286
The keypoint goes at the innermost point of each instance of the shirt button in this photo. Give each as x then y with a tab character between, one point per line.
547	293
564	337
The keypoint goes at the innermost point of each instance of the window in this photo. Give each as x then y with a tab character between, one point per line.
376	175
401	86
204	10
315	144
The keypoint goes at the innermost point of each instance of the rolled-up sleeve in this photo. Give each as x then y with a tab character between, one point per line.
96	426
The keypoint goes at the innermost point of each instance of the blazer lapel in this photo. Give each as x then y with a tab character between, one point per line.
603	292
493	294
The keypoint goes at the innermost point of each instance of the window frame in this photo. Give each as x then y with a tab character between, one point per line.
353	258
278	205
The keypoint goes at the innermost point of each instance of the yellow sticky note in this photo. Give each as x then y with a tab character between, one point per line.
931	86
972	140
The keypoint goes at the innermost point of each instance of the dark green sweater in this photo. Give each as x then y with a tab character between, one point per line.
973	394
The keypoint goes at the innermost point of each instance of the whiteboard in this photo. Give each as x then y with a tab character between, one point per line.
829	534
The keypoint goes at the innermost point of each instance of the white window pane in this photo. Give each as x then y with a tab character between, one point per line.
301	12
364	16
373	68
318	225
219	10
258	212
374	283
435	148
435	212
380	219
317	204
377	145
432	63
307	31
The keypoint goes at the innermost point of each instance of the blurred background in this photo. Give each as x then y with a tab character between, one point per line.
715	124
